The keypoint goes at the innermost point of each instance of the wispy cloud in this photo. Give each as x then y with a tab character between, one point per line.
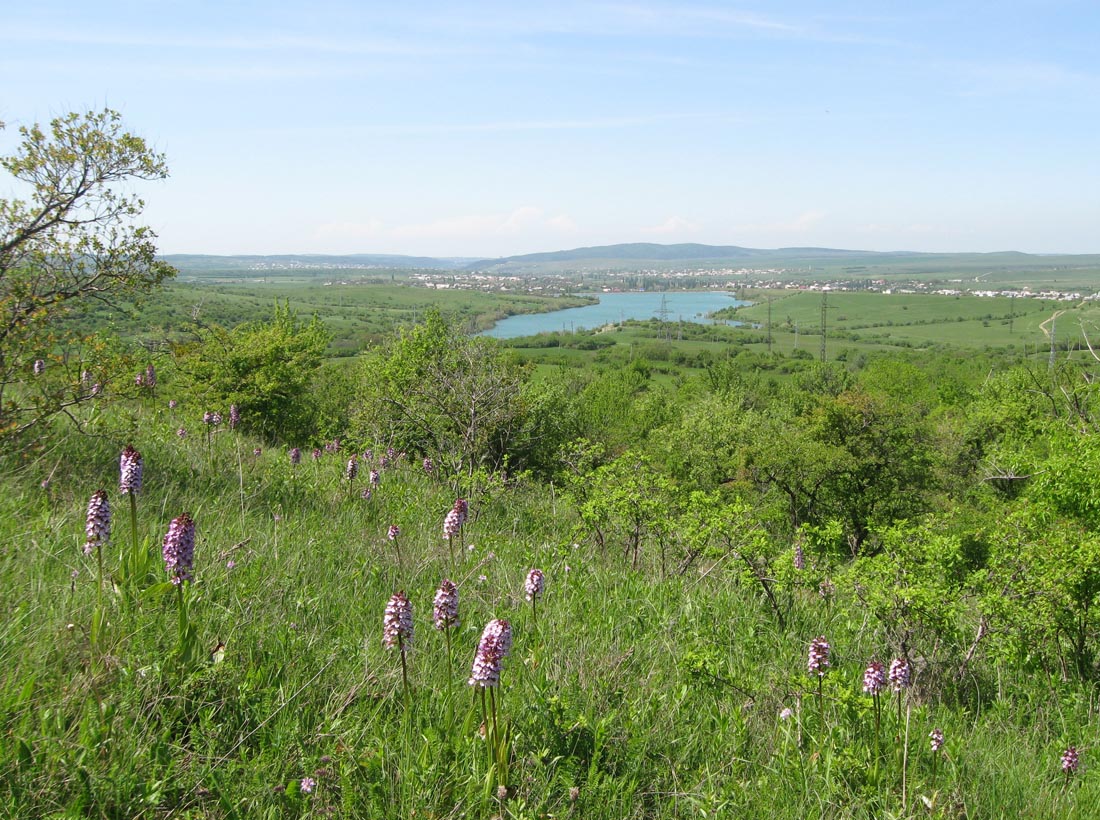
1013	77
273	41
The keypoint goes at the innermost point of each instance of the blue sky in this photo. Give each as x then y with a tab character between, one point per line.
478	129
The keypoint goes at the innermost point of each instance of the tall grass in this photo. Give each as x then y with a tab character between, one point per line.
630	696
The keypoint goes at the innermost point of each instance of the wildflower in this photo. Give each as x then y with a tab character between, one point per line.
39	367
899	674
445	606
352	470
172	404
139	380
179	548
463	509
826	589
492	649
502	792
333	446
150	376
574	794
375	478
295	456
365	495
935	739
384	462
397	623
130	467
429	467
212	417
98	523
393	532
819	656
230	564
533	585
256	451
234	416
1070	760
874	678
182	432
307	784
799	557
787	713
85	377
316	454
451	524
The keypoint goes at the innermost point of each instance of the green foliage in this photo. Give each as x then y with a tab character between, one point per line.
265	368
627	504
917	588
436	392
72	241
1043	594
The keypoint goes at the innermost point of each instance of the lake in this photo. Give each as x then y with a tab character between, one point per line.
689	306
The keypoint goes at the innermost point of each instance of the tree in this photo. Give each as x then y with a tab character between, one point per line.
266	369
434	391
72	239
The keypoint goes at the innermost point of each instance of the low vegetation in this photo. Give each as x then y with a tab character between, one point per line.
698	577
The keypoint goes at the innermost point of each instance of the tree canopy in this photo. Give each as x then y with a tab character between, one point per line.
73	238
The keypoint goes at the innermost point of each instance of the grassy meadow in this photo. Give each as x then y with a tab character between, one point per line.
730	542
629	691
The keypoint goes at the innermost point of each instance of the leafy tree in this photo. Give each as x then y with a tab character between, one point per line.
626	503
437	392
857	458
71	240
1043	592
266	369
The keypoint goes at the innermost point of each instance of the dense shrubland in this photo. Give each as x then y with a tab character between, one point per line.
695	534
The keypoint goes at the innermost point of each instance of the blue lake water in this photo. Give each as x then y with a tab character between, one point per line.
688	306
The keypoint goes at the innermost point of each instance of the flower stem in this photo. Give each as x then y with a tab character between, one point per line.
404	670
133	522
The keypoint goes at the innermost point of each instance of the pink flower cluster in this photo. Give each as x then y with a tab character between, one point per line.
874	678
179	548
130	468
819	656
492	649
397	623
533	585
445	605
97	526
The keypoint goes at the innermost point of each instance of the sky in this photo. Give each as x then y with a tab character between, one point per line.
490	129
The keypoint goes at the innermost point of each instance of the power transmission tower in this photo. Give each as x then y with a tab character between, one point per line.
769	323
1053	324
662	316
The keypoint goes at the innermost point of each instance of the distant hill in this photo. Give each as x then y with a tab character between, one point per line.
653	252
205	264
811	262
803	263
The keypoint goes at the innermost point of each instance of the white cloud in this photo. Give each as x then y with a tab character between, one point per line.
672	226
